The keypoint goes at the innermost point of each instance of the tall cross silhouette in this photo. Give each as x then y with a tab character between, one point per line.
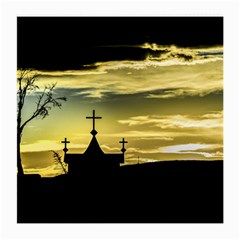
123	142
93	132
65	145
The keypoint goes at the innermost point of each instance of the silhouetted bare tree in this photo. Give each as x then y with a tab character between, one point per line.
58	160
45	101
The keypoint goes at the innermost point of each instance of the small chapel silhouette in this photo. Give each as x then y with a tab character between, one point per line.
93	160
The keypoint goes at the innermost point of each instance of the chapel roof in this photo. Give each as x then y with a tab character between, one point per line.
94	151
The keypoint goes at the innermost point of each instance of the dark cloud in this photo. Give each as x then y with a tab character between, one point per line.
65	43
184	56
72	91
209	53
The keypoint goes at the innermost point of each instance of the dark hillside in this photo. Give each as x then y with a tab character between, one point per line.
162	192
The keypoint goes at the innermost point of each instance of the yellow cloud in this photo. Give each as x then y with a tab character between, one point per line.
210	120
165	76
47	145
145	134
71	73
187	147
191	148
174	48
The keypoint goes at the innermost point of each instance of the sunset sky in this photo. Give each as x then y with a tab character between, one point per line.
157	82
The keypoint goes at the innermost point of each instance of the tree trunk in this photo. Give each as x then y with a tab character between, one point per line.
19	161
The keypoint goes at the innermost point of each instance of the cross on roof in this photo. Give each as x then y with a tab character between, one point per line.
94	132
123	142
65	145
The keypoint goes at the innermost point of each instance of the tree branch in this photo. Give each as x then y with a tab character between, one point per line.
42	107
58	160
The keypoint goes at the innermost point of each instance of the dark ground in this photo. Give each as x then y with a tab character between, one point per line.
163	192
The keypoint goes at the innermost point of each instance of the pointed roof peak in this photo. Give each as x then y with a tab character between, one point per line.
94	149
